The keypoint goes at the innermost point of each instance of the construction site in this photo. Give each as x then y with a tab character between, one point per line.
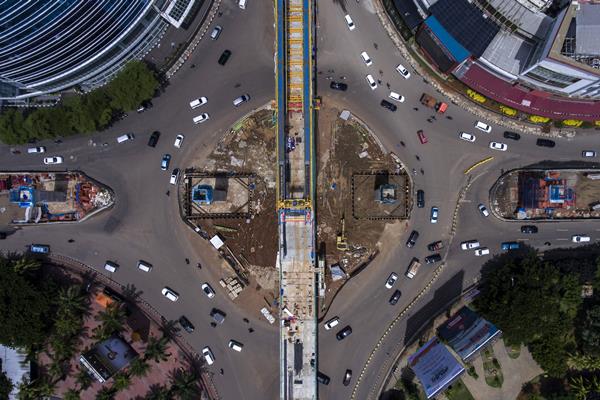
547	194
50	197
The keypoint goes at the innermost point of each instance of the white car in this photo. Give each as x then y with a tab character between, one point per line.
403	71
170	294
467	136
33	150
435	213
397	97
208	290
53	160
174	176
498	146
484	251
178	141
588	153
483	210
371	82
366	58
483	127
198	102
349	22
469	245
201	118
208	355
580	238
237	346
391	280
333	322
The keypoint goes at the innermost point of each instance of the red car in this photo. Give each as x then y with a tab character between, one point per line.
422	136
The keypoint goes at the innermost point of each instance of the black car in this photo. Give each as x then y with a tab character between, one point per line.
217	315
545	143
420	198
529	229
435	246
341	335
224	57
412	239
512	135
388	105
186	324
433	258
2	235
338	86
153	139
347	377
395	297
322	378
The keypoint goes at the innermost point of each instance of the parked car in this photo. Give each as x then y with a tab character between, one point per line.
469	244
580	238
482	126
111	266
420	199
510	245
217	315
388	105
235	345
588	153
347	377
545	143
39	149
397	97
365	57
216	32
403	71
421	135
174	176
198	102
391	280
170	294
208	355
371	81
529	229
483	251
412	239
333	322
186	324
483	210
498	146
467	137
241	99
164	162
434	215
338	86
224	57
349	22
432	259
435	246
395	297
178	141
201	118
322	378
511	135
208	290
344	333
53	160
153	139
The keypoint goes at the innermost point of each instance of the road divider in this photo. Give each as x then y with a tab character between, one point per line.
477	164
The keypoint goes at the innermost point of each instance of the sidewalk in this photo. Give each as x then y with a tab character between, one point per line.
456	98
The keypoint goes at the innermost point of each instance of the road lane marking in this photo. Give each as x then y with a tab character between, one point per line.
564	230
477	164
562	239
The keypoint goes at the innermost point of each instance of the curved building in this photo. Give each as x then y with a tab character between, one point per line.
47	46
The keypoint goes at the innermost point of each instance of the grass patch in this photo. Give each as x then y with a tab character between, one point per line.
458	391
471	371
492	369
513	350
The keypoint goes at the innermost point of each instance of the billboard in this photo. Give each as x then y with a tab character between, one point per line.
466	332
435	367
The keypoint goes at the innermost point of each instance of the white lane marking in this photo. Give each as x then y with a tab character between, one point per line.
562	230
562	239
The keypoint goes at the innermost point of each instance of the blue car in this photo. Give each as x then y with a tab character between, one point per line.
510	245
164	163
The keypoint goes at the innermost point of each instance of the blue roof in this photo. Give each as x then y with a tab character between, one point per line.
456	49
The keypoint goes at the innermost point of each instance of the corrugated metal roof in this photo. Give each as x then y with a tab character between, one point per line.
588	29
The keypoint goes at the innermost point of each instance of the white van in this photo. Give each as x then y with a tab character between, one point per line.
111	266
124	138
40	149
201	118
198	102
144	266
242	4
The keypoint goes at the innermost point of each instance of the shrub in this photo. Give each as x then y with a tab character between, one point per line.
572	122
511	112
476	96
538	119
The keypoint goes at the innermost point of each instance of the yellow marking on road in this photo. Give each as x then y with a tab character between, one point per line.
477	164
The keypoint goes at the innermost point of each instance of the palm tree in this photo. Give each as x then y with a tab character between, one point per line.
121	382
105	394
131	293
579	387
139	367
184	384
158	392
156	350
169	329
25	264
71	394
111	319
72	301
83	379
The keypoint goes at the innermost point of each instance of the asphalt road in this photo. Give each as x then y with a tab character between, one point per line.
363	302
144	224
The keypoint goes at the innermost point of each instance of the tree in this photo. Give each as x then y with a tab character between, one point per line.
184	384
112	320
169	329
590	332
156	349
139	367
105	393
71	394
133	85
120	382
6	386
158	392
83	379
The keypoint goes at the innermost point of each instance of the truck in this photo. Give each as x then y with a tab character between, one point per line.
432	102
413	268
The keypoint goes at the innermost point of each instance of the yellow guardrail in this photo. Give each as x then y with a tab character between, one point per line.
477	164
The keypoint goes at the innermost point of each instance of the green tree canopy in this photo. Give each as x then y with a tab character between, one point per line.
134	84
6	386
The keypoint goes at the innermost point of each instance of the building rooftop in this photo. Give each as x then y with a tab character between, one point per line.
587	19
509	52
515	16
108	357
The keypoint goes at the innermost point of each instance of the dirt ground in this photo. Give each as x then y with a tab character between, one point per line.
345	148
